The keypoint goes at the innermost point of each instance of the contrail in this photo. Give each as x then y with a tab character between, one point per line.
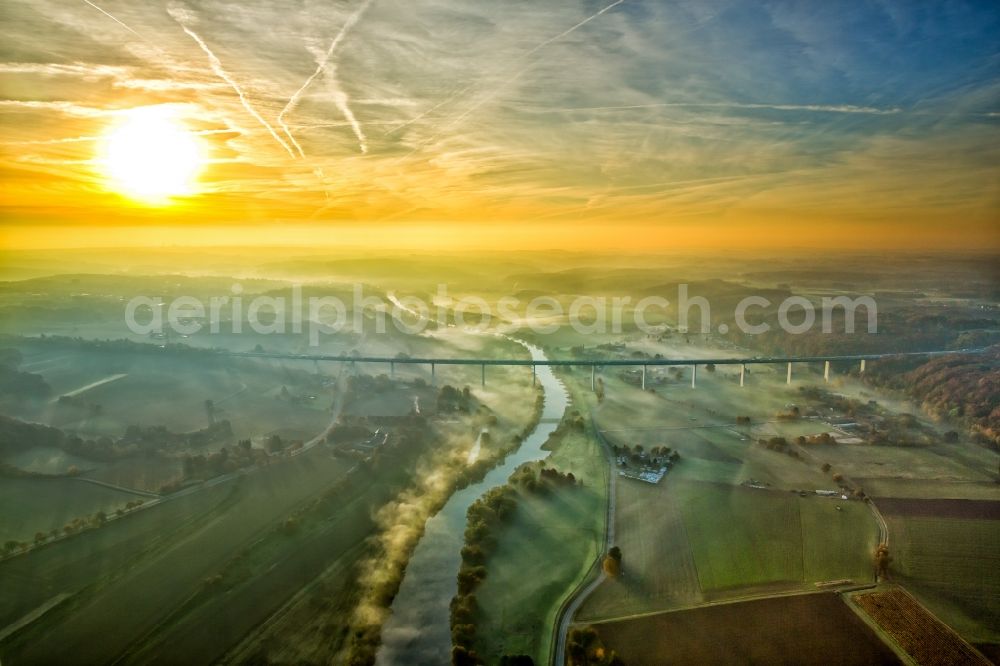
222	74
341	99
518	73
428	111
113	18
530	53
821	108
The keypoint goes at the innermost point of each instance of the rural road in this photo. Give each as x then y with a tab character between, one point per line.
338	407
559	657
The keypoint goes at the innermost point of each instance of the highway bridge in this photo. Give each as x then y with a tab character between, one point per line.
594	364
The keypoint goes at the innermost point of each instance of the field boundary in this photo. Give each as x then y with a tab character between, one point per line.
734	600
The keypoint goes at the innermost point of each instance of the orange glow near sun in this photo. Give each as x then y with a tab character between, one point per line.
150	156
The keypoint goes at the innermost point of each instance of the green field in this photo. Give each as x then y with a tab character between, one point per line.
564	530
741	537
142	472
748	537
548	546
171	390
685	542
659	570
159	558
700	535
48	460
950	564
29	505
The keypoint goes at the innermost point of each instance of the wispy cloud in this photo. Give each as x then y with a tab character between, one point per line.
340	98
496	90
820	108
85	71
573	109
181	17
59	106
115	19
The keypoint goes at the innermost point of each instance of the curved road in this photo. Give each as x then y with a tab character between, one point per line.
559	657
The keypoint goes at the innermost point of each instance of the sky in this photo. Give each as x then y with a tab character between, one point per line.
562	123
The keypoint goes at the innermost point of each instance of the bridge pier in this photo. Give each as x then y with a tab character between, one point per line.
643	378
593	378
483	366
532	375
694	376
743	373
432	375
788	377
392	370
862	365
826	371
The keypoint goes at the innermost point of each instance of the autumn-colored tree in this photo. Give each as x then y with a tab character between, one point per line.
585	648
882	561
612	563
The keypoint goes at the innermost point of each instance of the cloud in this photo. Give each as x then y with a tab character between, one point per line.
820	108
341	98
445	111
59	106
113	18
182	16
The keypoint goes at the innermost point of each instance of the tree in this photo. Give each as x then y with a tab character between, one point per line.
882	561
275	444
461	656
612	563
582	645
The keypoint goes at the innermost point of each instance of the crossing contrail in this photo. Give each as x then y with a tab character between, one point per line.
221	72
530	53
497	89
428	111
115	19
339	99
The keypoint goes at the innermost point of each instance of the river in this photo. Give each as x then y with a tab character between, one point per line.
418	633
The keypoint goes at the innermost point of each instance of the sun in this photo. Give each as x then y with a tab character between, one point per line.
149	155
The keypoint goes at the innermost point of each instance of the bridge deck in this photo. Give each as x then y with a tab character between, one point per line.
756	360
